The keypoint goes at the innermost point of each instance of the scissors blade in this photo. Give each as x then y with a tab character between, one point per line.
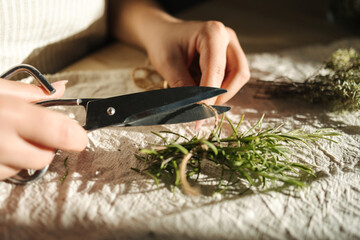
189	113
133	107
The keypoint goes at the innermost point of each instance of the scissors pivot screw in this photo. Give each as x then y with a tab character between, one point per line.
110	111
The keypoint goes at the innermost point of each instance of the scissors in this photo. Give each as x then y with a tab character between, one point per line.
157	107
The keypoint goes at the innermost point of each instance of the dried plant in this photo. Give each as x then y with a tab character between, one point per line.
336	84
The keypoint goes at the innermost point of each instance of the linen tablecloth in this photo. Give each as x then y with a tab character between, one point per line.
101	198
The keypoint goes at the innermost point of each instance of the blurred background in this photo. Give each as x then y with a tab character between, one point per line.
261	25
264	25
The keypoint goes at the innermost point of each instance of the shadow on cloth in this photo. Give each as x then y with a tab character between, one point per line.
280	109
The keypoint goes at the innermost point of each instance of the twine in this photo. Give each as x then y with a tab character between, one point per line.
147	78
186	187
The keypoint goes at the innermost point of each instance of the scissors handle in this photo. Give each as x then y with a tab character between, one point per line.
19	179
31	71
66	102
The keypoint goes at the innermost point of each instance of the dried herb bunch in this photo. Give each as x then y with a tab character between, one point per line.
257	157
336	84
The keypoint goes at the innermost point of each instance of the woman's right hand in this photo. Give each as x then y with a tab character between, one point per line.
30	133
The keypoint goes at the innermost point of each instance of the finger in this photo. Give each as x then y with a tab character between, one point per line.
30	92
7	171
174	70
53	130
212	45
237	69
42	126
20	154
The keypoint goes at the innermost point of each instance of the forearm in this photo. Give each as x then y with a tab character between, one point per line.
135	21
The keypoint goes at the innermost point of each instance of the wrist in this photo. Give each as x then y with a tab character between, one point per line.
157	24
136	22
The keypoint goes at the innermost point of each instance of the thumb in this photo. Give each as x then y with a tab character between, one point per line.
30	92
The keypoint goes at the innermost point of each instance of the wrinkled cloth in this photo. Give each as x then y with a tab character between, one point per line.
102	198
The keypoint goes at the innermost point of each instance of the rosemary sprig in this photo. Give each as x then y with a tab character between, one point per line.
262	157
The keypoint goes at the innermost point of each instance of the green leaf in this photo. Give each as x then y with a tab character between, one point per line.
178	146
149	151
261	157
211	146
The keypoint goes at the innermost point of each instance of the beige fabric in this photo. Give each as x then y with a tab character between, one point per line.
49	34
103	199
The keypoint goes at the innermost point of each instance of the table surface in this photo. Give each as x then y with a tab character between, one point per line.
102	199
262	26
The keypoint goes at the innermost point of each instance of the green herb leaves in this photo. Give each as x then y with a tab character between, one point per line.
260	157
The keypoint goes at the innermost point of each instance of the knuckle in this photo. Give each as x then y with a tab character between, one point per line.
231	32
214	32
214	27
245	75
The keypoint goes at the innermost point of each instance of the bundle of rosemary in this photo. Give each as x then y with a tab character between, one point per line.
336	84
260	157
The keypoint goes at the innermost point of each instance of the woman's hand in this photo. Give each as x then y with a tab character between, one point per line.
176	48
30	133
180	49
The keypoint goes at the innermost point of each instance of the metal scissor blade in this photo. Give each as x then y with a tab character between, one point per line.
189	113
133	107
